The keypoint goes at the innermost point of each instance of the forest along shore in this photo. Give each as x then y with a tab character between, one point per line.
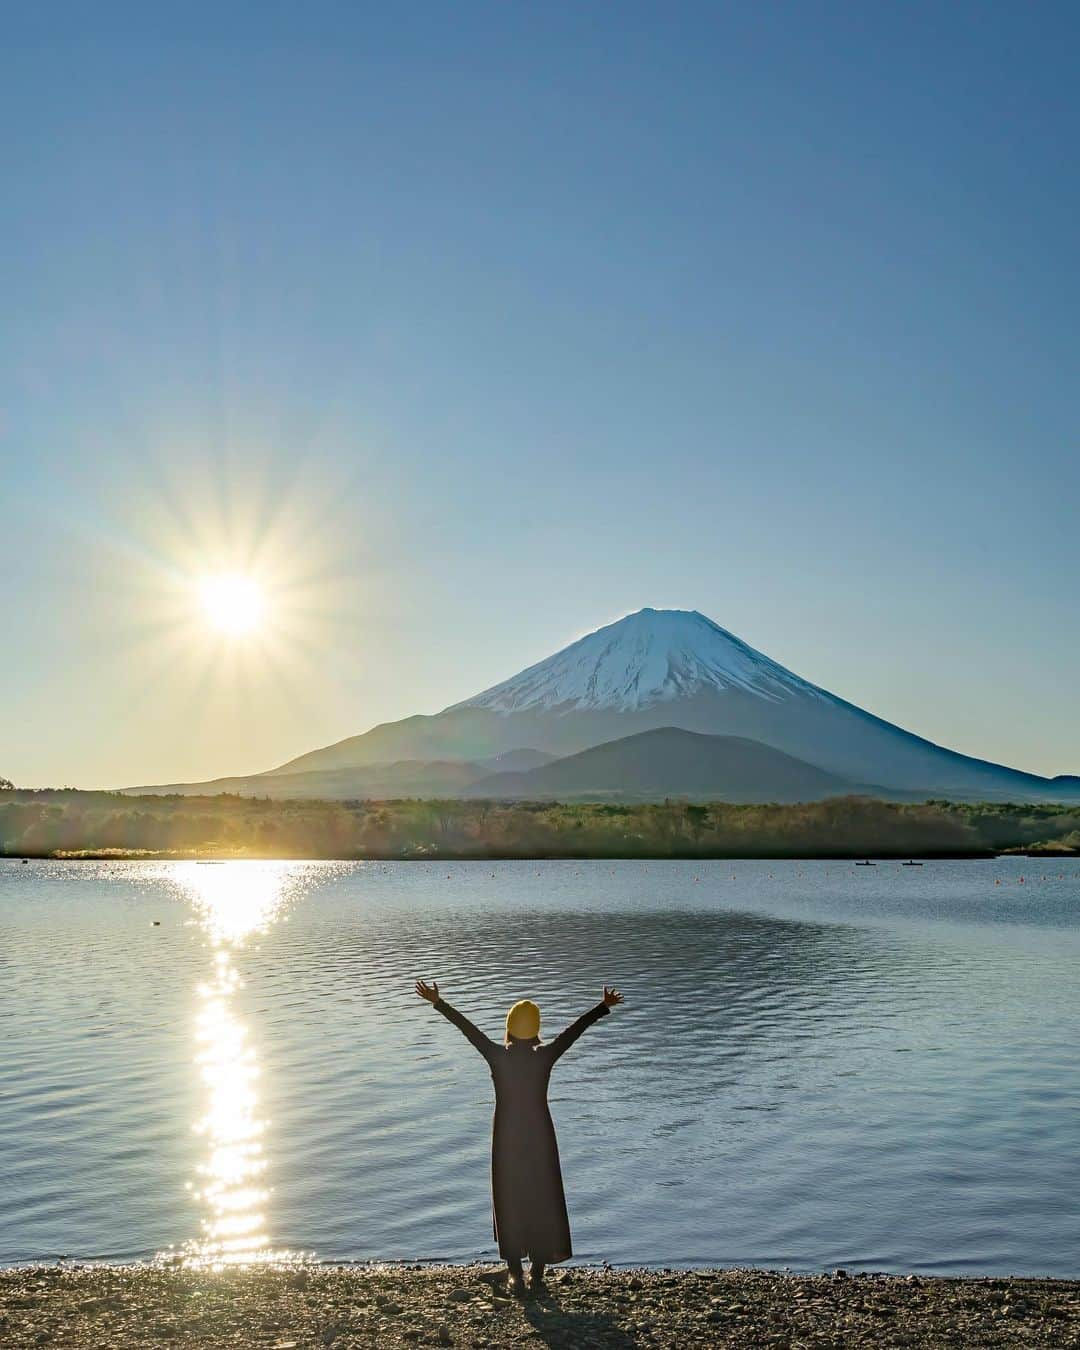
67	823
293	1309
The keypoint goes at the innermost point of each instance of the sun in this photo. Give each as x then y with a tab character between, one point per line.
234	604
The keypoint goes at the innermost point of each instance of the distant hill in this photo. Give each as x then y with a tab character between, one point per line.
406	778
670	762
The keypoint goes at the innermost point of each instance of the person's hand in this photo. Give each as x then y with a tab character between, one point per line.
428	991
611	997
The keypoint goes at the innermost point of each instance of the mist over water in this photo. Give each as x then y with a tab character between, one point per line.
816	1065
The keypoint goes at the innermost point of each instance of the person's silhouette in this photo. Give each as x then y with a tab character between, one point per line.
528	1204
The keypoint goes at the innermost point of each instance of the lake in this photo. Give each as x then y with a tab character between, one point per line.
817	1064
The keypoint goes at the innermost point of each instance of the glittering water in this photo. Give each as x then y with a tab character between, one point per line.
816	1064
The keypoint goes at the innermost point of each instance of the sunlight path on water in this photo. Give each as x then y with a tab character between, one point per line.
234	902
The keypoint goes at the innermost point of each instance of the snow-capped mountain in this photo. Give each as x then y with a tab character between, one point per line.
676	668
653	656
651	670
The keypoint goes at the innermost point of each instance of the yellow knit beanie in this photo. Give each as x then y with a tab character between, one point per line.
523	1021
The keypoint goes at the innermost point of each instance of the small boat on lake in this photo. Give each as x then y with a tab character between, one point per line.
911	863
867	863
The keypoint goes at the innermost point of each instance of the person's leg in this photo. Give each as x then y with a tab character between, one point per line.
536	1275
517	1275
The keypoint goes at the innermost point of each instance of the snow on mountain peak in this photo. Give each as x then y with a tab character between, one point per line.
649	657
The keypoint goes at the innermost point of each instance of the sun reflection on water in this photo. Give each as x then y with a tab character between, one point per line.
234	902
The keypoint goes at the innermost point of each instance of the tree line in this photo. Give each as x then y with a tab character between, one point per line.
66	822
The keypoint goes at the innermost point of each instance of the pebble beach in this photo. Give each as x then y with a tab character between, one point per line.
468	1306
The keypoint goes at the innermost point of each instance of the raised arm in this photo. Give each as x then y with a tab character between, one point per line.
472	1034
565	1039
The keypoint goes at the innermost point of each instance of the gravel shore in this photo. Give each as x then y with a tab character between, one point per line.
467	1306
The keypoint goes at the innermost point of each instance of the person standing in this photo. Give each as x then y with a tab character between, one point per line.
528	1201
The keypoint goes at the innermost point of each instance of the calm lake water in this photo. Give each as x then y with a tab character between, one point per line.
817	1064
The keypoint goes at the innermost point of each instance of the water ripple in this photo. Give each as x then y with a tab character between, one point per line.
814	1066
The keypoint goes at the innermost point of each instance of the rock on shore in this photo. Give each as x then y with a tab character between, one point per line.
312	1307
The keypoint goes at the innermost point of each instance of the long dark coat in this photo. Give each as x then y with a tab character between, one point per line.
528	1204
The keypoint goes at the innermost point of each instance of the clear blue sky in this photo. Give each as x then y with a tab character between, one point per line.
469	327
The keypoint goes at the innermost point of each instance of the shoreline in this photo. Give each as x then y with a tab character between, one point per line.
220	856
294	1308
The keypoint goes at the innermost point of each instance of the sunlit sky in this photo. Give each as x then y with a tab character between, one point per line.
464	329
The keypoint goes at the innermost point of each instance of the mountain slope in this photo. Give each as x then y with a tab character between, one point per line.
403	778
669	762
407	778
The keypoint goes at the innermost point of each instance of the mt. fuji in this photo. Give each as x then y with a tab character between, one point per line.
653	670
653	656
